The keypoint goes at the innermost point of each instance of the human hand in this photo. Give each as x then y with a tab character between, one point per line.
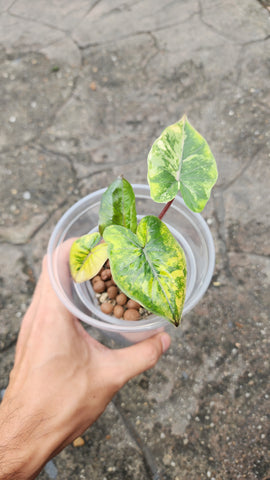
61	382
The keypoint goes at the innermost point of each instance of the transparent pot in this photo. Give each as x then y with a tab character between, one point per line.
190	230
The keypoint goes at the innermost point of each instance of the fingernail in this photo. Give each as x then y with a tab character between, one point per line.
166	341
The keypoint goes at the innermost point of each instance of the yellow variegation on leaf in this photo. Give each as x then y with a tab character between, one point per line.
87	256
149	266
180	159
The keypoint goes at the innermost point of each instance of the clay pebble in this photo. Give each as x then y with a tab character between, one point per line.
99	286
106	307
132	304
112	301
131	314
112	291
121	299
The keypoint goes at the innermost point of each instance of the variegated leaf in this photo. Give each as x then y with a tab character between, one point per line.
87	256
149	266
181	159
117	206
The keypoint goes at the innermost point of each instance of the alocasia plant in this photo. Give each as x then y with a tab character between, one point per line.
146	261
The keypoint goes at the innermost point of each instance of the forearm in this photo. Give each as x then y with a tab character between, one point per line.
24	446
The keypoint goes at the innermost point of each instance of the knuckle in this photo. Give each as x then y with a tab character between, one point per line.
153	355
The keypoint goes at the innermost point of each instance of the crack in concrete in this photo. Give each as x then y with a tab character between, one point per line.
265	4
55	42
34	20
223	35
239	65
52	118
66	32
250	254
59	205
151	56
32	235
242	171
137	33
258	40
42	224
72	90
213	29
106	167
91	8
41	148
150	464
10	6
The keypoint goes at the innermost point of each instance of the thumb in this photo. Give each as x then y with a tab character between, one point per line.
142	356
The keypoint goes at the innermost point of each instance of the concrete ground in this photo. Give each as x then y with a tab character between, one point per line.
86	87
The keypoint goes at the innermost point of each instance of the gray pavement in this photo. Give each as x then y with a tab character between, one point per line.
86	87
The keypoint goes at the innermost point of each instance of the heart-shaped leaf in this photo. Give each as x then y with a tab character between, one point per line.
117	206
149	266
87	256
181	159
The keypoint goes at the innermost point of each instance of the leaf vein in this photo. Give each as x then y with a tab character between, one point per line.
156	276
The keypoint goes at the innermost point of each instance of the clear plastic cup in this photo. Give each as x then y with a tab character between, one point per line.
190	230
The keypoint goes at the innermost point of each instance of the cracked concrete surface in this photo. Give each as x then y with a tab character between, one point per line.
85	89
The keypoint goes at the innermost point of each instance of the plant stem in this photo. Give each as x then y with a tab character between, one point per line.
167	206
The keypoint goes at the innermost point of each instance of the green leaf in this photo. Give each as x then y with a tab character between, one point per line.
181	159
87	256
117	206
149	266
